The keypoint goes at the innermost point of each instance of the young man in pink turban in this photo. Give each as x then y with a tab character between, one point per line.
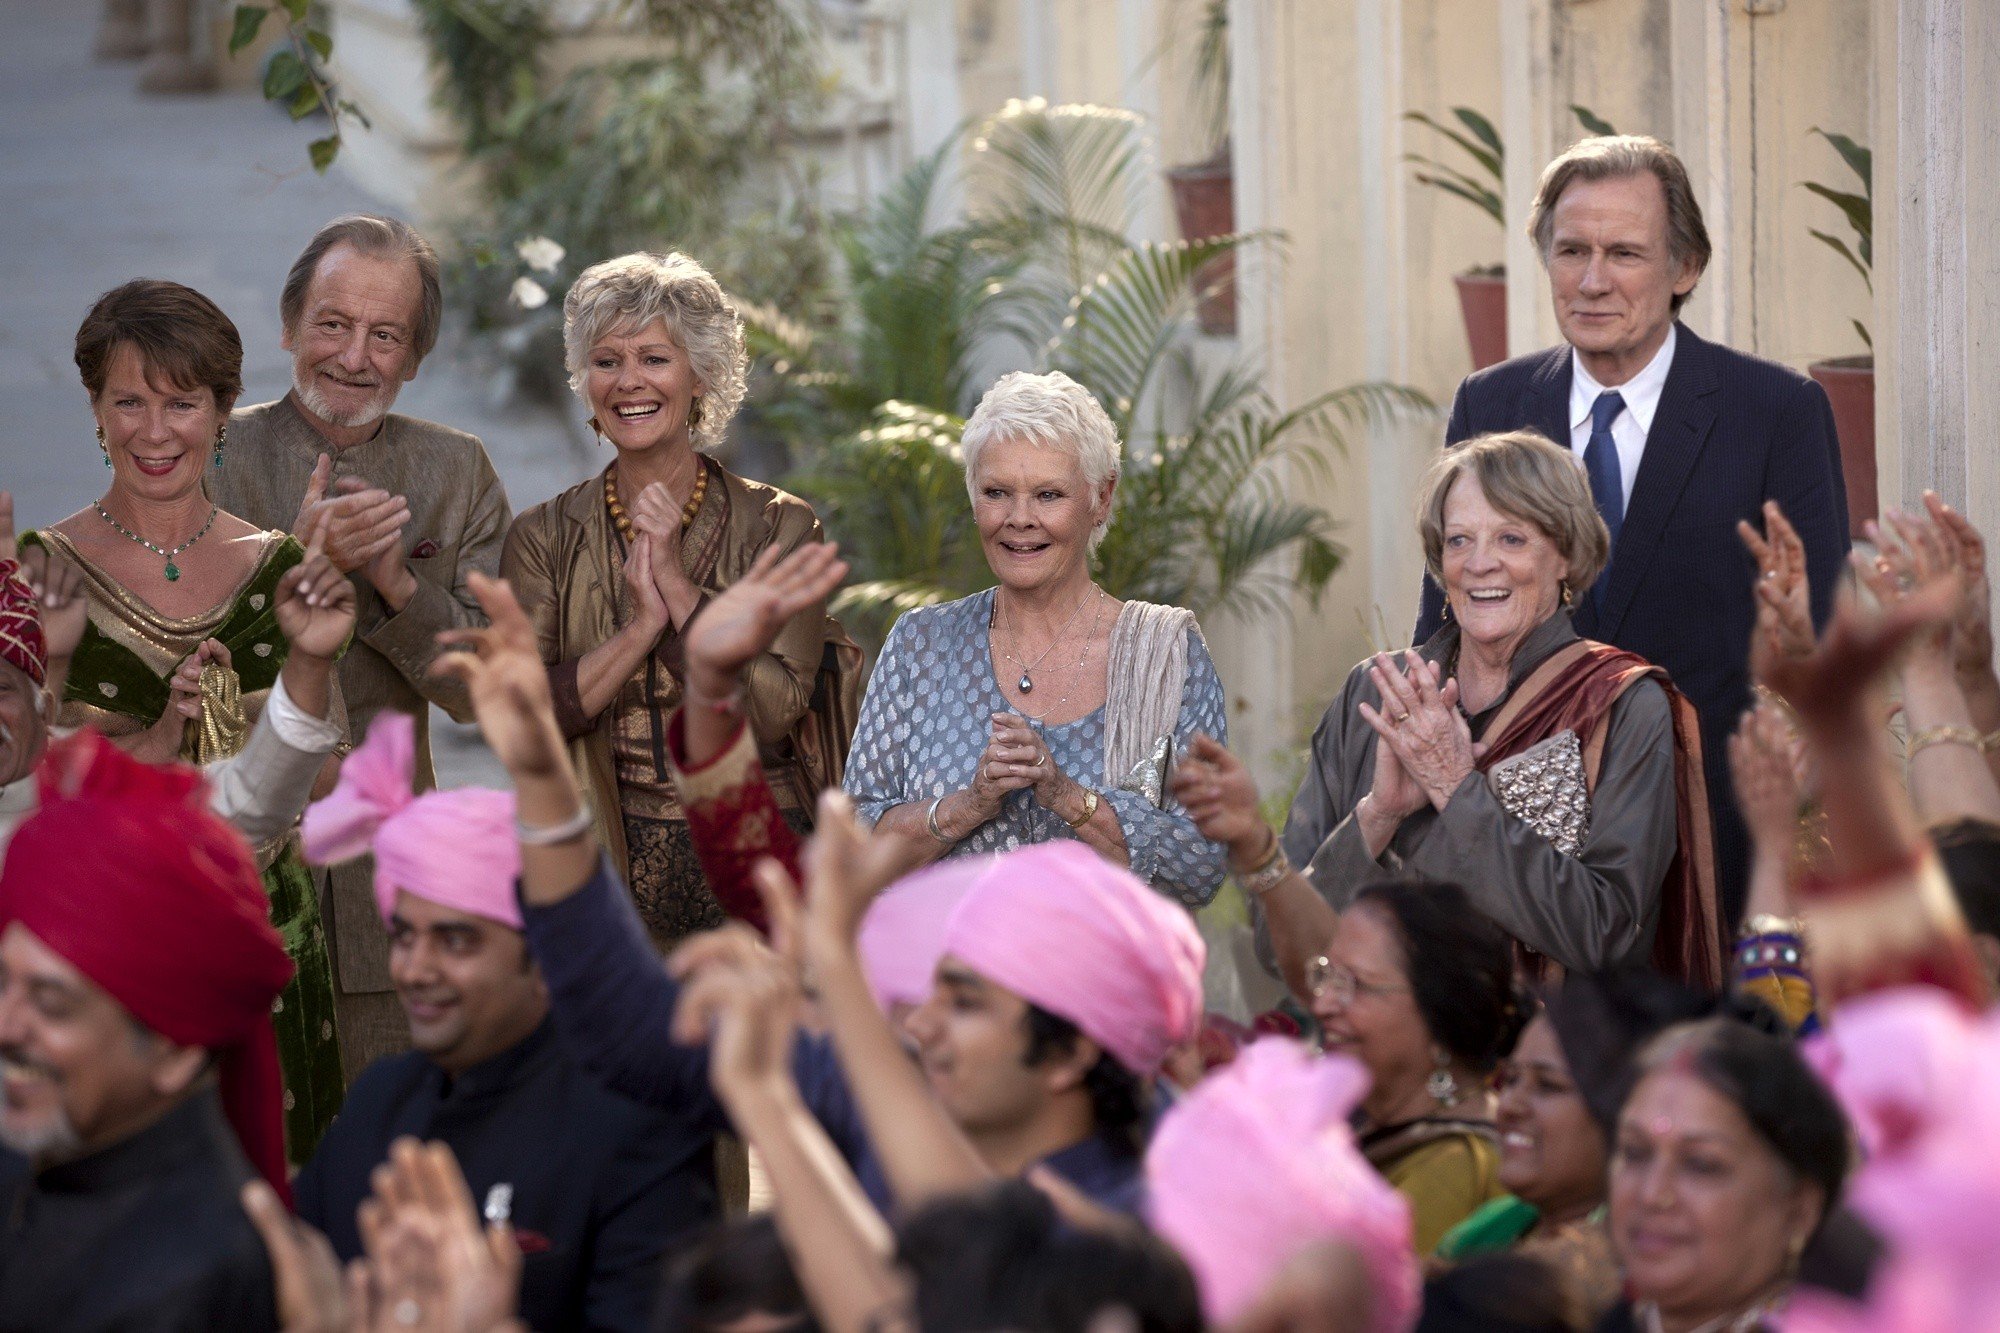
597	1187
141	1086
1085	979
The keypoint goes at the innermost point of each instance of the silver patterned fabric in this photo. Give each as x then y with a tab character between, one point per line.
925	722
1545	787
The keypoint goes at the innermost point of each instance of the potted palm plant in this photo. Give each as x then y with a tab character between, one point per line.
1849	381
1482	290
1204	192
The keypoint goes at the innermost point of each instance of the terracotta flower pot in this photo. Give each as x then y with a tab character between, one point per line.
1205	205
1482	299
1849	382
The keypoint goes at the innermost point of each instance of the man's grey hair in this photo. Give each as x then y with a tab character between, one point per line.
626	294
379	238
1613	157
1050	411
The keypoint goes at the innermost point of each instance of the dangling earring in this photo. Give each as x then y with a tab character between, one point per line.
1569	596
1442	1087
694	413
105	447
596	430
220	432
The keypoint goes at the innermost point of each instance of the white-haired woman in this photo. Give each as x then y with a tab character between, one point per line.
1043	707
612	570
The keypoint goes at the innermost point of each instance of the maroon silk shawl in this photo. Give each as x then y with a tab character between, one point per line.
1574	691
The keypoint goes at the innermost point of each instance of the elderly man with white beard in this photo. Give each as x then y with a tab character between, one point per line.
413	508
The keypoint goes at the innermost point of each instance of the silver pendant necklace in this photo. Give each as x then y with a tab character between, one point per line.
173	571
1026	684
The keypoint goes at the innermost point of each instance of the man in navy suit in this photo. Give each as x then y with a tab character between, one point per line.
1681	438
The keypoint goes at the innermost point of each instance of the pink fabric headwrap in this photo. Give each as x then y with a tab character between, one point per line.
455	848
1258	1162
1063	928
1919	1075
902	936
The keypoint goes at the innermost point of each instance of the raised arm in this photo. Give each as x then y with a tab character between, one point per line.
1220	796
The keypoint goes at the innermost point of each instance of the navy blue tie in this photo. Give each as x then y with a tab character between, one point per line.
1607	484
1600	459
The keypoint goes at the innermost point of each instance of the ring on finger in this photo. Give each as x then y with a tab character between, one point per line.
1040	759
1401	718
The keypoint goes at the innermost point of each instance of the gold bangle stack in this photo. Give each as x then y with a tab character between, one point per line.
1269	872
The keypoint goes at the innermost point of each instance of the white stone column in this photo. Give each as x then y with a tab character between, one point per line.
1700	59
1527	127
1937	254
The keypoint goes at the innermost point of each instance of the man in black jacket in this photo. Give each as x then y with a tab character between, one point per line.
597	1187
1681	438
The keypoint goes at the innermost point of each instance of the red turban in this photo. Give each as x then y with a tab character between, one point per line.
21	641
125	873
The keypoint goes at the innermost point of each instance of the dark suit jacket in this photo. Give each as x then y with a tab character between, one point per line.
1731	432
601	1186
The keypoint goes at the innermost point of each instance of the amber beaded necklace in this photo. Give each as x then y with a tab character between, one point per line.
688	510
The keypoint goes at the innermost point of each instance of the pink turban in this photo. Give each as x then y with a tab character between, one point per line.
455	848
1258	1162
1919	1075
902	936
1065	929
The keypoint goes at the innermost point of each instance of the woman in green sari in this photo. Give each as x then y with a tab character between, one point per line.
183	644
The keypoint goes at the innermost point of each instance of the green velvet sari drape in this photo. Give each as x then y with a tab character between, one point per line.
118	684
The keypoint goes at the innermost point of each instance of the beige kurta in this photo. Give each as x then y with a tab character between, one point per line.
458	520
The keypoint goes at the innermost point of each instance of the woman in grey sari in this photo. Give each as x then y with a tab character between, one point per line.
1558	779
1043	707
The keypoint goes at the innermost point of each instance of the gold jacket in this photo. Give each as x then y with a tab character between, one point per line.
560	559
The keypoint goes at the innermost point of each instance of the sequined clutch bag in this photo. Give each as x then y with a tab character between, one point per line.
1545	788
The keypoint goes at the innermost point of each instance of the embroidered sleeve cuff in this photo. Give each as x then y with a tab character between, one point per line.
733	820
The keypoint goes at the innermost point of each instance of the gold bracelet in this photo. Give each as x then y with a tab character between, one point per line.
1269	875
1946	735
1090	799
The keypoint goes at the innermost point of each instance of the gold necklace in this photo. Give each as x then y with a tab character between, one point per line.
624	524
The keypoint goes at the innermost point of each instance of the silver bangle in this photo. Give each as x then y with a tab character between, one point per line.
930	821
568	831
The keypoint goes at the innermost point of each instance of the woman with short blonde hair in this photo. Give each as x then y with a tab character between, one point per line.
612	570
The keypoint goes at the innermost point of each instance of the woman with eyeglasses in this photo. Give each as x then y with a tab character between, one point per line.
1414	982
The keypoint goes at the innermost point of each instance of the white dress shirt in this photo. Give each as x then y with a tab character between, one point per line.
262	790
1630	428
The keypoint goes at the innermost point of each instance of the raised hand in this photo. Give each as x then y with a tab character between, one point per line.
1972	621
846	870
1784	598
63	601
1419	720
739	626
311	1290
1220	796
1829	688
364	523
649	608
314	603
1763	764
430	1265
504	675
743	1001
1910	554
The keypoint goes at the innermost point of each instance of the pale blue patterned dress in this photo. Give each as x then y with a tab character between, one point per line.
929	711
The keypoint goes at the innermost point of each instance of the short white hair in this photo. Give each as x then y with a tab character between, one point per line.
628	293
1049	411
